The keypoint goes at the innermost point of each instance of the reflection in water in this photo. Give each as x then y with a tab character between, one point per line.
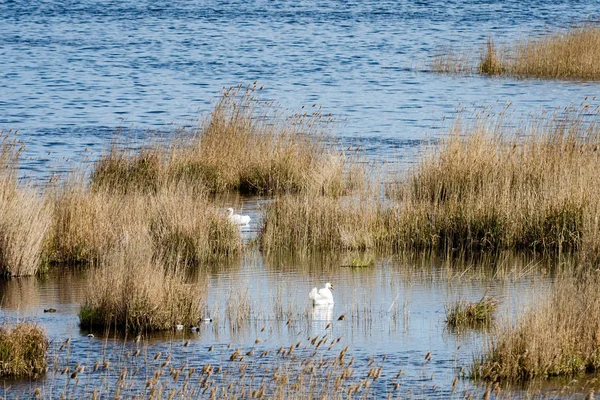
323	312
392	309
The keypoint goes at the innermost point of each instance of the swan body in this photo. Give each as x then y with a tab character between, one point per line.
322	296
236	218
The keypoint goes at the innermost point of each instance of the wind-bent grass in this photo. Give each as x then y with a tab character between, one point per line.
573	54
246	145
23	350
132	291
471	314
559	337
183	227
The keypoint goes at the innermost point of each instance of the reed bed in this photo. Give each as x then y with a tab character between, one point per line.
489	188
132	291
463	313
486	187
571	54
301	224
25	220
574	54
246	145
23	350
24	217
183	227
556	337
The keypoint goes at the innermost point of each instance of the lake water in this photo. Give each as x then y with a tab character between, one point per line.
74	74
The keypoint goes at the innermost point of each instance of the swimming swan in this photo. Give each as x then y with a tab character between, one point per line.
322	296
236	218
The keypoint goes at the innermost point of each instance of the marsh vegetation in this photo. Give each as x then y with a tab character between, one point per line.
148	224
571	54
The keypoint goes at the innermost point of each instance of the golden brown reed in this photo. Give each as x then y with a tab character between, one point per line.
485	187
24	222
571	54
574	54
182	226
24	217
131	290
23	350
307	223
556	337
246	145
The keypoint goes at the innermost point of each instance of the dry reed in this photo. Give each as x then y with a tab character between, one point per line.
184	227
559	337
23	350
484	188
572	54
246	145
24	218
132	291
298	224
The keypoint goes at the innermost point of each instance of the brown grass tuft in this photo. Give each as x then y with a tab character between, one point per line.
131	291
184	227
557	338
24	218
22	351
246	146
491	61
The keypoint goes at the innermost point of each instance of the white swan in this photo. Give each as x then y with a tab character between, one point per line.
236	218
321	296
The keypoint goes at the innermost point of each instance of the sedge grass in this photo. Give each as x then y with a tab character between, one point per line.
245	145
556	337
23	350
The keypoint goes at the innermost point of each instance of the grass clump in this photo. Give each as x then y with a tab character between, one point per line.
23	350
131	291
572	54
183	227
491	61
24	218
246	146
301	224
486	188
557	338
471	314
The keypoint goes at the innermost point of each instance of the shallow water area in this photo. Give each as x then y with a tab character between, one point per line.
393	318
